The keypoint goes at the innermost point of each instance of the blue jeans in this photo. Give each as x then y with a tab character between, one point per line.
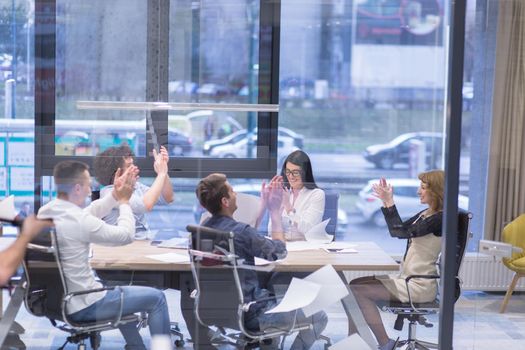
136	299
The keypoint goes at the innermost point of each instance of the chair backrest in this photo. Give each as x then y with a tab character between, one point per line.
217	281
45	285
463	236
247	209
514	233
331	206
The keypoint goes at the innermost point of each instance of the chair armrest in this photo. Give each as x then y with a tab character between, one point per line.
408	289
40	248
246	306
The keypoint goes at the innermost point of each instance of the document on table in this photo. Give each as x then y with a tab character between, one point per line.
318	233
354	342
263	262
176	242
298	246
170	258
300	293
332	289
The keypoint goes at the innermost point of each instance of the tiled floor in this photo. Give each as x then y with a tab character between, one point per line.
478	325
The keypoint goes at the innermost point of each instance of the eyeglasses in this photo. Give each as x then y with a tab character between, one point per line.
294	173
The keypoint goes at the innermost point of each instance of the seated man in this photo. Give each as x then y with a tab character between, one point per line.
11	257
144	197
77	228
217	196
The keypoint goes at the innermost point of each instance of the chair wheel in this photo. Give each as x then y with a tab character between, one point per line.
179	343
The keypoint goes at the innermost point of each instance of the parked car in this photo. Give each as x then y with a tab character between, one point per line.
239	149
405	196
296	88
255	189
385	156
241	134
214	90
179	143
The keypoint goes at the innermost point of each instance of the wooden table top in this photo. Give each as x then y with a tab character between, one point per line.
369	257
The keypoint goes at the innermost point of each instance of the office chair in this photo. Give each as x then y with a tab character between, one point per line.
415	312
247	209
331	206
47	295
514	233
218	295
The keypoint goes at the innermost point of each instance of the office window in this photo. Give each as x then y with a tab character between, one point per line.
100	56
17	102
367	93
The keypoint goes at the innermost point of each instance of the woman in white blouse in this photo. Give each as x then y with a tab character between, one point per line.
303	202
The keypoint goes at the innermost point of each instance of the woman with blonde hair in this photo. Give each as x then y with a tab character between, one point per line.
423	235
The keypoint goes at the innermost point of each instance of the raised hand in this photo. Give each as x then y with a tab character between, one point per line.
384	191
164	153
160	163
275	193
124	183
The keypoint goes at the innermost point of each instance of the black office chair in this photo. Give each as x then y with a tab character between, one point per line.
46	294
219	299
415	312
331	206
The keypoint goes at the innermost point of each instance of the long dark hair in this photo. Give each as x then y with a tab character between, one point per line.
301	159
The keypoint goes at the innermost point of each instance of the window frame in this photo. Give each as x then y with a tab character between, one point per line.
262	166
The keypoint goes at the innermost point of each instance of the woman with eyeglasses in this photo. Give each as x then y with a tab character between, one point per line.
423	235
302	201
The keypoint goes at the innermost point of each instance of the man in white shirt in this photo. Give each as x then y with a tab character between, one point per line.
77	228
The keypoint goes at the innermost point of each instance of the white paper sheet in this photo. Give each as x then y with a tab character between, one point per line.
318	233
340	250
263	262
176	242
300	293
298	246
354	342
170	257
7	208
332	289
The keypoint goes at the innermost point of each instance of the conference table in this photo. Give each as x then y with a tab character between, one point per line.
131	263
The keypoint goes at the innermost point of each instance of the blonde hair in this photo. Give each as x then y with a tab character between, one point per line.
435	180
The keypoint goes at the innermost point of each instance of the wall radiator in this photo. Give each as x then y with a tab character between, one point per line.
478	272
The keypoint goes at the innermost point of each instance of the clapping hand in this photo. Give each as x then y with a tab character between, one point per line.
275	193
384	191
124	183
161	158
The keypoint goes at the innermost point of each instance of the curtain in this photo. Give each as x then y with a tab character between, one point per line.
506	176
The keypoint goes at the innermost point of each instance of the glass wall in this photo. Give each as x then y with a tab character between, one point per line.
362	88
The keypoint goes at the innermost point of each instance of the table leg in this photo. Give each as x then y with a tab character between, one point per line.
10	313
